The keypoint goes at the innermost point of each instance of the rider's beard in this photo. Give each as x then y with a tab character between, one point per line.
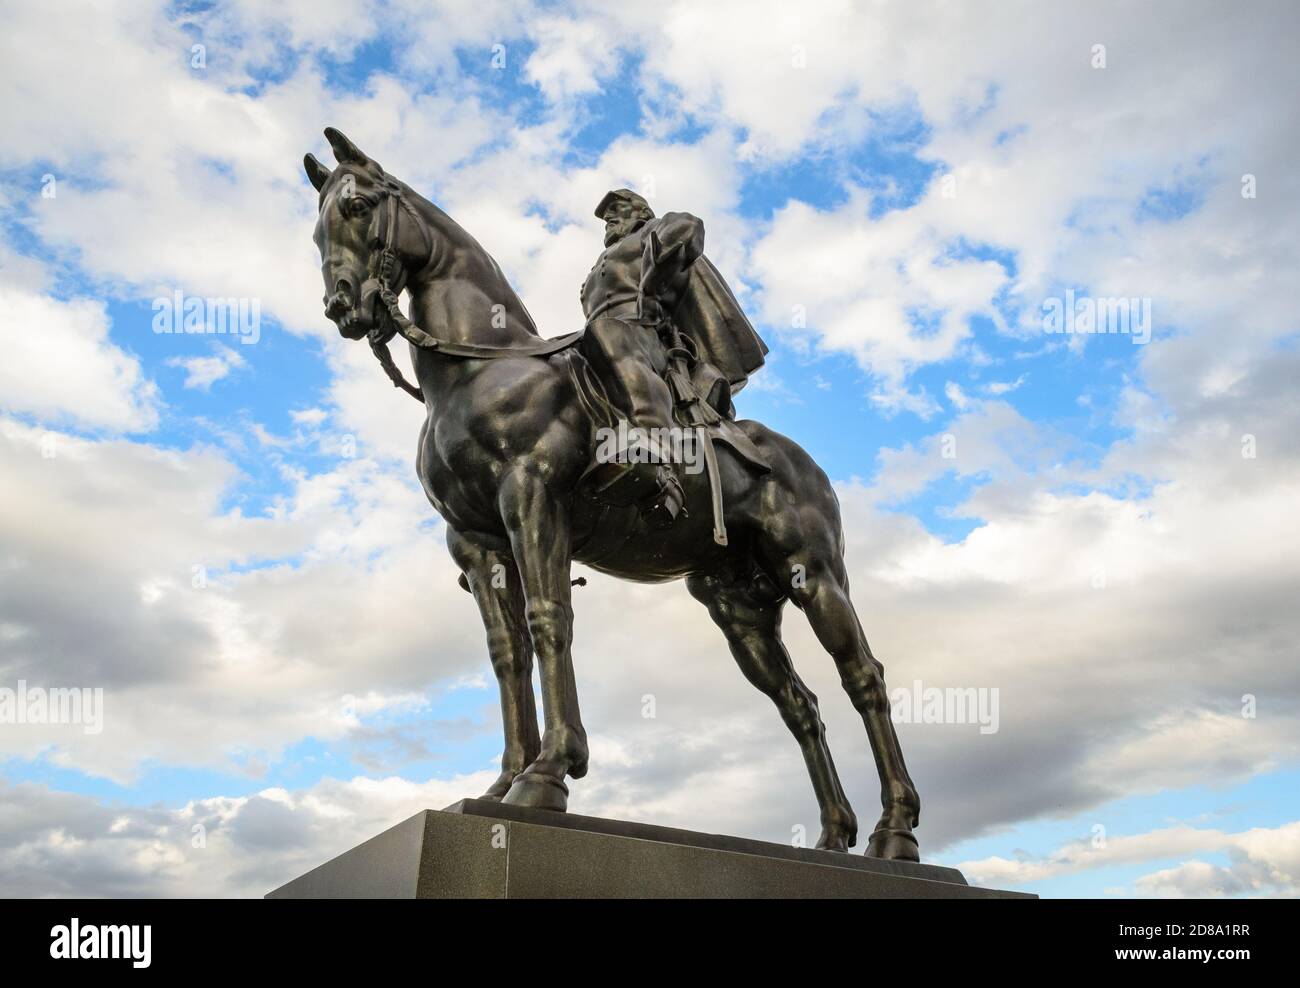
616	233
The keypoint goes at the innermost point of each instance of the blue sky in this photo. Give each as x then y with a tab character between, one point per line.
927	325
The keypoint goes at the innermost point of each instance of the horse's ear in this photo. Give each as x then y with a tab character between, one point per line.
317	172
344	150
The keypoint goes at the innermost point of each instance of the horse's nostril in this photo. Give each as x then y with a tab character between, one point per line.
337	304
343	287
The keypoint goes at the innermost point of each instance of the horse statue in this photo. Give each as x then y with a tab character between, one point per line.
502	455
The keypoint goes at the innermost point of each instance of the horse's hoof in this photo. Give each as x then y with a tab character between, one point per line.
893	845
541	792
835	839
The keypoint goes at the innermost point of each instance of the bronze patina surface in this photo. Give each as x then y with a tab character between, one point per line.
507	457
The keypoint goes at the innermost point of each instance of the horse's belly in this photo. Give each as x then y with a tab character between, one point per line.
614	541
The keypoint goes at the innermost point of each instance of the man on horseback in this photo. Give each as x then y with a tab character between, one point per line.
504	457
655	304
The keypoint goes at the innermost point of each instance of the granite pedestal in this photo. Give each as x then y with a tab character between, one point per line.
482	849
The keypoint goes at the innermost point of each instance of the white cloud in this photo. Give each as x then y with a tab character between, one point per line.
59	364
202	372
999	388
200	186
571	56
309	416
885	291
56	843
1264	862
208	653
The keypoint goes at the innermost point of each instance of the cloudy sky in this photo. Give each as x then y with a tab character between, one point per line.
227	538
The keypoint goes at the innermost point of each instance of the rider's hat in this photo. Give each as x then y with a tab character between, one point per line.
621	195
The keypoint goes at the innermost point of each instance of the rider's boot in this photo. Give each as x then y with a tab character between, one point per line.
638	470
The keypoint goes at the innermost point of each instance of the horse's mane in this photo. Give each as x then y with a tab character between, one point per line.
447	228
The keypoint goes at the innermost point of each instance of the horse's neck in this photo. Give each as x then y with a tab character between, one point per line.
461	294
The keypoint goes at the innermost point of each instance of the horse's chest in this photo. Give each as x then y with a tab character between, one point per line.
450	479
494	420
459	476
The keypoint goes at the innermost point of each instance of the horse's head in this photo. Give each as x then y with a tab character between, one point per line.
356	223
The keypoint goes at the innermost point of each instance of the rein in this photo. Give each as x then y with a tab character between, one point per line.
384	281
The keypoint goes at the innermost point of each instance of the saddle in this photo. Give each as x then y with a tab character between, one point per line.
705	385
702	401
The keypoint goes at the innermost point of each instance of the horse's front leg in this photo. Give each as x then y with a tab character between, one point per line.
494	582
538	526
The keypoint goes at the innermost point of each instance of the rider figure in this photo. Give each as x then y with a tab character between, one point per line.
627	298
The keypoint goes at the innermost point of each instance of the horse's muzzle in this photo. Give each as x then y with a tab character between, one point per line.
354	317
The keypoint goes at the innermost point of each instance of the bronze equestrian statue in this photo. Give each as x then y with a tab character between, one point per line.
506	457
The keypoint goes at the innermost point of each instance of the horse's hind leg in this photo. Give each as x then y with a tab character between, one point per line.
751	622
494	581
823	594
800	545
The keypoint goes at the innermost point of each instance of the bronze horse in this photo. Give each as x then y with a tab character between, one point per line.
504	446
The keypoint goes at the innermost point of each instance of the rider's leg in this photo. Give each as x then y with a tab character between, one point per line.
630	360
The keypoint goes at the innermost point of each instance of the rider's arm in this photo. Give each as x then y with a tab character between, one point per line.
684	229
671	247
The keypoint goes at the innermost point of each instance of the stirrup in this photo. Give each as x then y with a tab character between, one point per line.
664	507
634	471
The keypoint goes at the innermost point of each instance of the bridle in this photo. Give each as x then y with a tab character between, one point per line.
385	280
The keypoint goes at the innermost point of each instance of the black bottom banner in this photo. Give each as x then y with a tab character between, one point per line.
139	938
